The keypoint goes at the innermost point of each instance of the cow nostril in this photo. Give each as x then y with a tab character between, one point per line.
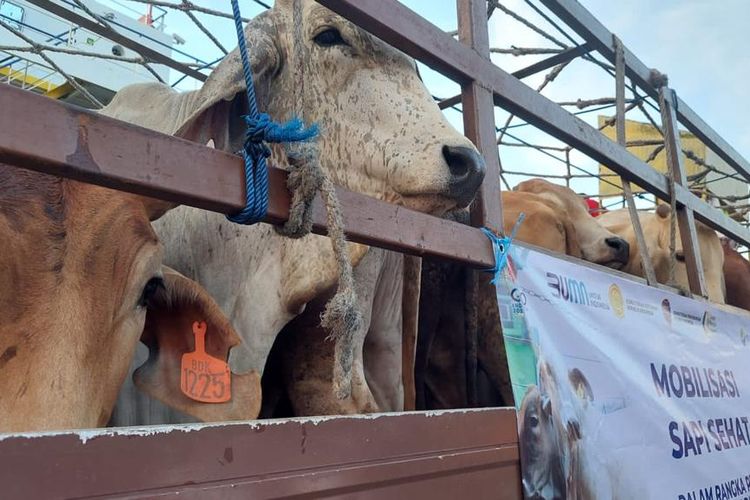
466	172
621	248
457	159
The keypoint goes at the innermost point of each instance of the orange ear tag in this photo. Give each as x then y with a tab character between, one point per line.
203	377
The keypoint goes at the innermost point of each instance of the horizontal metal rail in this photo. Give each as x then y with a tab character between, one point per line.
594	32
398	25
92	148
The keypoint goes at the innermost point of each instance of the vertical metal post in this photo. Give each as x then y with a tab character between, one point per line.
479	126
479	116
627	190
685	216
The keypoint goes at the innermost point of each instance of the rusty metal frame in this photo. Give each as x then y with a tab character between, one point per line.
97	149
375	456
627	190
594	32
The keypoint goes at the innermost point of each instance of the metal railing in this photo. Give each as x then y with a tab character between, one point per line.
484	85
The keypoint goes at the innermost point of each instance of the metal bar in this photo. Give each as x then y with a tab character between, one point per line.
479	116
550	62
594	32
92	148
531	70
114	36
401	27
369	456
685	216
627	190
450	101
479	127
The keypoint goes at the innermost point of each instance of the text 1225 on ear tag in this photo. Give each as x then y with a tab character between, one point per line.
202	377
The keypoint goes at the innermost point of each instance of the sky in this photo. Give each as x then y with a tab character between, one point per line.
701	46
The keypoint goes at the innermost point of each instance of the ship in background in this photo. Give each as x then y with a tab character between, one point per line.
102	78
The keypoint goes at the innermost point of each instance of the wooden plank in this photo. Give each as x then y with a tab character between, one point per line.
92	148
377	456
399	26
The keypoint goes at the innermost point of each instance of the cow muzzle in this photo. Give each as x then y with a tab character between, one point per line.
466	173
620	250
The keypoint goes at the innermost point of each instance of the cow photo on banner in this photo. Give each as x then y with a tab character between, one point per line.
623	390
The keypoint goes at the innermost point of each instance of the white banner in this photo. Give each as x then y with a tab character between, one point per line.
624	391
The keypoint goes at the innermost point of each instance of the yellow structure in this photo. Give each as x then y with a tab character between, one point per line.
22	78
637	131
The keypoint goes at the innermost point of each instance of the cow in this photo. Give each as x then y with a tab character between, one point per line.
382	135
81	281
557	220
557	458
656	230
736	276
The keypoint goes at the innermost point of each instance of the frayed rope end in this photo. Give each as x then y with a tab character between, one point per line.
343	320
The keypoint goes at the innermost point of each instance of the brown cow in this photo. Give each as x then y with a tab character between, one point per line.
556	462
736	276
556	219
656	231
80	268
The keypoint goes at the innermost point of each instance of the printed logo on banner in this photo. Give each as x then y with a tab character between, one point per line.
574	291
743	336
616	301
569	289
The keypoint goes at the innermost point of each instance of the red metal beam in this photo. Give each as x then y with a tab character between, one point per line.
381	456
479	116
92	148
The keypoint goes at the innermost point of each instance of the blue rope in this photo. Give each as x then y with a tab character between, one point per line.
501	247
260	131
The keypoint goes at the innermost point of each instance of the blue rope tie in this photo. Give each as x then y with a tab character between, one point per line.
501	247
260	131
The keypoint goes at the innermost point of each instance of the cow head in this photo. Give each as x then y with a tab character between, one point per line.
597	244
712	255
656	230
382	133
542	449
79	274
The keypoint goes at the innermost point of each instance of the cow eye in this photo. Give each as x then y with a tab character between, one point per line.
679	256
533	421
153	286
329	38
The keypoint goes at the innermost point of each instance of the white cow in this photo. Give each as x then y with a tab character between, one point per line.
382	135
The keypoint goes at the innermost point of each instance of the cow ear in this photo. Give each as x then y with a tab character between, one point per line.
574	429
546	405
572	246
217	107
663	210
168	334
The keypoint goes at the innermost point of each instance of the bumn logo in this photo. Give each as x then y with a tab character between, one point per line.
568	289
